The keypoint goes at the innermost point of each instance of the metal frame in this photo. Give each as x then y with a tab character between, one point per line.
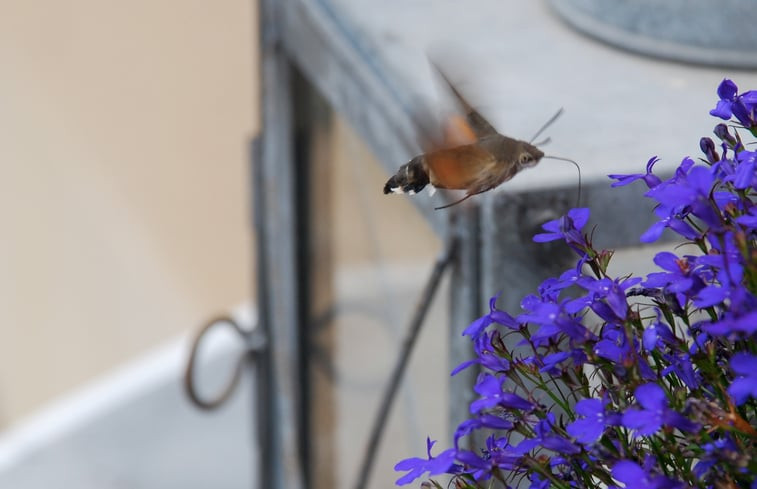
495	252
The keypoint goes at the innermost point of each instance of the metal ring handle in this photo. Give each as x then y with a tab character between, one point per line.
189	384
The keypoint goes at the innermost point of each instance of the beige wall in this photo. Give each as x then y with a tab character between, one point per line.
123	181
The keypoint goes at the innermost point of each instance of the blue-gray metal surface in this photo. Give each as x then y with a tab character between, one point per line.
698	31
278	261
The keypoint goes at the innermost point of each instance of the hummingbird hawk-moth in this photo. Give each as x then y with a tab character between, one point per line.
470	154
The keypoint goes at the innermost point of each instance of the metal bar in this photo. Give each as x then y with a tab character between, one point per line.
515	265
278	261
264	392
312	138
406	349
465	287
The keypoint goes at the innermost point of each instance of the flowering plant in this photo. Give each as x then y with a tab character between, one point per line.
629	382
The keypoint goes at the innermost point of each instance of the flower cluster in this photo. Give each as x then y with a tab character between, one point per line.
629	382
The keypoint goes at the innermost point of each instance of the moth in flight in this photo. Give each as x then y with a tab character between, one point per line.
469	155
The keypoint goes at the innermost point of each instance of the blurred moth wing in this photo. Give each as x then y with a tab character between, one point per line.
465	153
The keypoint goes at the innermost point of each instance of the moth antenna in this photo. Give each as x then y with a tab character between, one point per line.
547	124
543	142
454	203
578	200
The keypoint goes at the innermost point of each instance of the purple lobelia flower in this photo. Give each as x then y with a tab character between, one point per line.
441	464
649	178
691	193
485	420
749	220
546	438
537	482
614	346
491	390
733	324
486	356
496	456
744	175
567	227
744	385
731	104
680	364
608	297
672	219
687	192
716	453
634	477
495	316
550	362
588	429
657	334
727	91
654	413
679	277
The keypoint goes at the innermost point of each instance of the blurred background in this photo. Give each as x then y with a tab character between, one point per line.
124	149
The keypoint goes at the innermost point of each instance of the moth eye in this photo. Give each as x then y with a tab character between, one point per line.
525	158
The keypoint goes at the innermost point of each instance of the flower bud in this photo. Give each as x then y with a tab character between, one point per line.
721	131
708	148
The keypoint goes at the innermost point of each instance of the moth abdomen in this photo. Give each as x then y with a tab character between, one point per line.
410	178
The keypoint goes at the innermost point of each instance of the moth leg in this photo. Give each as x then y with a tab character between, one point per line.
467	196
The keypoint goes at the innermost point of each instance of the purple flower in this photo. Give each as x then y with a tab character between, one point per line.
614	346
551	361
692	193
649	178
657	333
715	453
552	320
634	477
546	438
482	421
743	107
686	192
497	455
749	220
725	267
732	323
671	219
537	482
680	364
550	289
441	464
590	428
744	385
654	413
567	227
494	316
678	278
492	394
486	356
608	297
744	177
727	92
